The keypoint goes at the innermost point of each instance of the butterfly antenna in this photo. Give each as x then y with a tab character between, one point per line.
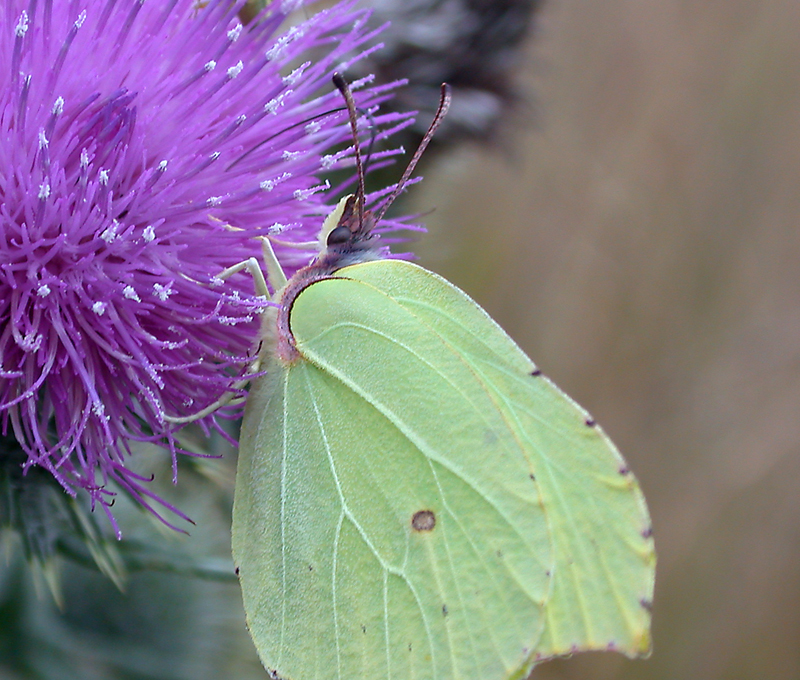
342	86
444	104
373	134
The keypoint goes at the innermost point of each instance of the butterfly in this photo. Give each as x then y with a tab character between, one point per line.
414	498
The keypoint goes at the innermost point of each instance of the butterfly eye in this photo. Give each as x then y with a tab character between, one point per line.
340	234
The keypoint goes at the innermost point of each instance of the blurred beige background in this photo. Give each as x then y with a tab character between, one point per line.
640	240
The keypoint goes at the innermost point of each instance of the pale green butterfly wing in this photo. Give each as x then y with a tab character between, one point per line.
336	580
415	400
603	581
343	586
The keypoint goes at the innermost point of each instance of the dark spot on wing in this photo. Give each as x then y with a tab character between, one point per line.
547	573
536	372
533	477
236	571
409	646
363	629
624	470
423	520
500	554
310	568
444	610
647	532
646	604
611	646
590	422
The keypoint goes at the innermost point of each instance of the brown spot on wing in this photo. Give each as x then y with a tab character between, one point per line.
423	520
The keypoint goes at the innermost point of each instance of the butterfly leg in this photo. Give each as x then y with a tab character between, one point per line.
277	278
252	267
275	273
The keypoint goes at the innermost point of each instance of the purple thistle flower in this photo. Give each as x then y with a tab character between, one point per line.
144	146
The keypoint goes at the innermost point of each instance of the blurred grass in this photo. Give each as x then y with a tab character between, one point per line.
641	242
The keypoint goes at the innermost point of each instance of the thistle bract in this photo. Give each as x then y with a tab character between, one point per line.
143	146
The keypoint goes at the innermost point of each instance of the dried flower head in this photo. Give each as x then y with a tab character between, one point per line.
476	46
144	146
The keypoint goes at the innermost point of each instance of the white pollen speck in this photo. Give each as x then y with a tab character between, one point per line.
327	161
102	176
234	71
277	228
109	235
295	75
214	156
149	234
58	106
303	194
273	105
162	166
44	190
292	155
214	200
234	33
22	25
84	158
43	290
130	293
99	308
270	184
240	119
216	281
163	292
210	65
366	80
43	141
277	50
313	127
31	342
81	18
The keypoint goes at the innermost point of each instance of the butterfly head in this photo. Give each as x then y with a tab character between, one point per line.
353	228
347	233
